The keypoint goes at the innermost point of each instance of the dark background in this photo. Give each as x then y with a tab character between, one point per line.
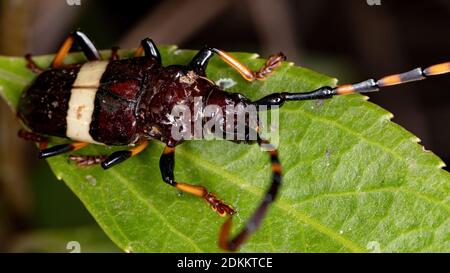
350	40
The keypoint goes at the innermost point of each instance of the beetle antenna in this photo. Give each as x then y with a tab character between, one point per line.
366	86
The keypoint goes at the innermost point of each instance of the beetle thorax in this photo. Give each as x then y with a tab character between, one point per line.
170	87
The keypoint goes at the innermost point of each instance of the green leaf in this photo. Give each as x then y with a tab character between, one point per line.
90	239
353	180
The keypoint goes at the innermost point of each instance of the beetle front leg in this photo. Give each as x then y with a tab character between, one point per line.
200	61
167	166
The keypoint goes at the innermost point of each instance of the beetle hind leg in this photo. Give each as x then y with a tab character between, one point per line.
45	152
82	41
31	65
30	136
87	160
61	149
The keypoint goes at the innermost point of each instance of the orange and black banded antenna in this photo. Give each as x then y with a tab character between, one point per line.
366	86
226	242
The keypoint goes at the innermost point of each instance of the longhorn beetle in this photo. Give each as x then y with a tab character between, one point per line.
128	102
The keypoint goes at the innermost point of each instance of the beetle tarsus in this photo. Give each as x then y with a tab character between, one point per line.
272	62
87	160
218	205
32	65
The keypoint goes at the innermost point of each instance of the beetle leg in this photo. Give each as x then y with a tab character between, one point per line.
32	65
167	165
60	149
272	62
30	136
87	160
200	61
83	41
120	156
232	244
114	54
148	47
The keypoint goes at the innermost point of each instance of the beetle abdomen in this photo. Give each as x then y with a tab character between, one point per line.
92	102
43	107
